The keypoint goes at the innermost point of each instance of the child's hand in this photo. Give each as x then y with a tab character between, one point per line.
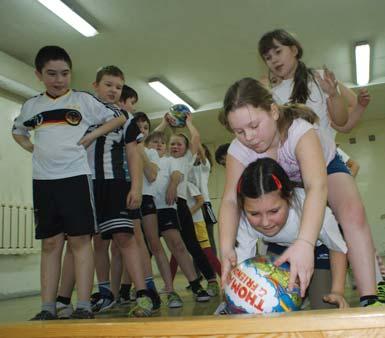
171	195
86	140
328	83
300	255
228	262
188	118
133	200
171	120
336	299
363	97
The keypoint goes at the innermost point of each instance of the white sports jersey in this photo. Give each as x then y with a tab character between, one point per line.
167	165
330	234
106	155
192	191
186	164
150	188
199	175
58	125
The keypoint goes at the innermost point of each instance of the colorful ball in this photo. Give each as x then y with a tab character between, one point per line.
258	286
178	114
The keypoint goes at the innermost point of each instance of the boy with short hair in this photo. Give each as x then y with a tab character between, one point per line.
62	191
113	196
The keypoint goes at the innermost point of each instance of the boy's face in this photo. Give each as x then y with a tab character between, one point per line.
56	76
144	127
109	88
159	145
128	105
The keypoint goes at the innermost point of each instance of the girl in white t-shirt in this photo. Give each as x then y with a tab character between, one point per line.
325	96
271	210
264	129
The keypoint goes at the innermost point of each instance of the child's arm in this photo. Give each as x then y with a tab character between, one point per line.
357	106
163	124
150	169
229	216
24	142
338	263
171	193
313	170
198	204
105	128
195	141
353	167
135	168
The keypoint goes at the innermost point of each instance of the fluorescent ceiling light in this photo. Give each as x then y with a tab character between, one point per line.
18	88
362	52
167	93
69	16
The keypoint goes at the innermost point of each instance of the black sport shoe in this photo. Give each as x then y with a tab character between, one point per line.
201	295
155	298
101	303
82	314
44	315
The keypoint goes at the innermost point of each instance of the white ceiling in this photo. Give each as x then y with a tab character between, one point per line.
197	46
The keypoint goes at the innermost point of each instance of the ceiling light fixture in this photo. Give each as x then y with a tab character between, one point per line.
167	93
16	87
69	16
362	53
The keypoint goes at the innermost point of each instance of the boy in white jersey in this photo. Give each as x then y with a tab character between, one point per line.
62	193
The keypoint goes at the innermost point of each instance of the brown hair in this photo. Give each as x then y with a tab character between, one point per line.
108	70
249	91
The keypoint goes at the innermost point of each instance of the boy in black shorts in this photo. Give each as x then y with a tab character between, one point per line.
62	190
113	196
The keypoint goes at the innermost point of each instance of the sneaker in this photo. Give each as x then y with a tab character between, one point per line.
102	303
64	311
44	315
82	314
381	291
143	307
201	295
375	304
213	289
124	301
222	309
173	300
133	295
155	298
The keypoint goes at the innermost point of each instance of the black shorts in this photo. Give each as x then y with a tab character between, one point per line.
167	219
64	206
110	201
208	213
148	205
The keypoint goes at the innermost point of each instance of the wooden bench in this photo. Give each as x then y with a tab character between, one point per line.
354	322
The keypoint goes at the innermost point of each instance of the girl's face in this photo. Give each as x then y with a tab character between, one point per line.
268	213
177	146
144	127
282	60
109	88
159	145
255	127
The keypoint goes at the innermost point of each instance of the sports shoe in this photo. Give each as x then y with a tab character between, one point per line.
375	304
44	315
222	309
212	289
155	298
124	301
64	311
132	295
201	295
173	300
381	291
82	314
101	303
143	307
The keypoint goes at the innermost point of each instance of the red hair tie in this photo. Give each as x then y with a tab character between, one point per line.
239	186
277	182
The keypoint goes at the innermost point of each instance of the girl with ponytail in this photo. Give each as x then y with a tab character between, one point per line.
290	135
